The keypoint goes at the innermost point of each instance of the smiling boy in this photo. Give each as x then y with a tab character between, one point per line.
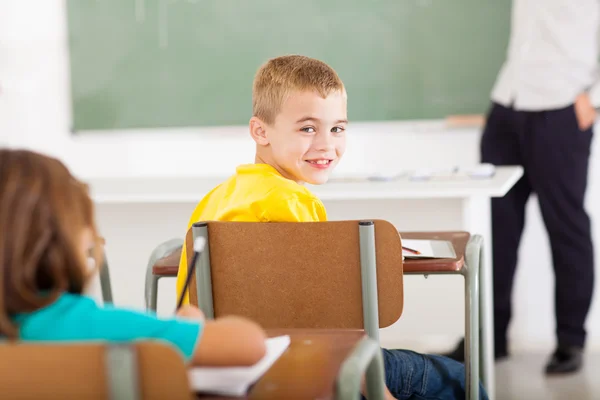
299	125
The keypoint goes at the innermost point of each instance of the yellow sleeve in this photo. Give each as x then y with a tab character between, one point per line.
295	209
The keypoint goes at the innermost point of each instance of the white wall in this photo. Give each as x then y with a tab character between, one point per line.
35	113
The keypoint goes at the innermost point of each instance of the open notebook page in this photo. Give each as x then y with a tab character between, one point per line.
235	381
428	248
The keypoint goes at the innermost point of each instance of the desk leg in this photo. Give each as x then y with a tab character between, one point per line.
477	219
472	299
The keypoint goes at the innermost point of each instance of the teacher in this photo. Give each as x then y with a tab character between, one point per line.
542	117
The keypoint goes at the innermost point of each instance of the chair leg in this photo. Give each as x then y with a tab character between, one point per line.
151	284
151	290
471	274
375	377
105	285
365	359
154	293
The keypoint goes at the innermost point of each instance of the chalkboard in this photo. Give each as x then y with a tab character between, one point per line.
183	63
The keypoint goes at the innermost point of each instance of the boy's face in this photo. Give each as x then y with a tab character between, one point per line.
308	137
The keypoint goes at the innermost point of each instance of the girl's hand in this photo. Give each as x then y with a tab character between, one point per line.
191	312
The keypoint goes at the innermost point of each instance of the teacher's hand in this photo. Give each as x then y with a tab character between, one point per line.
585	112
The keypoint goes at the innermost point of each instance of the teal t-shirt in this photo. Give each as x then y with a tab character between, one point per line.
77	318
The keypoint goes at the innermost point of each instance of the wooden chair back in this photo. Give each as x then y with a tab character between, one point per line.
299	275
85	371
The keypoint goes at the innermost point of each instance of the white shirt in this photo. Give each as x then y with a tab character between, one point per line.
552	55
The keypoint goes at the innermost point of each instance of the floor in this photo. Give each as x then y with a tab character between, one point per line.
521	377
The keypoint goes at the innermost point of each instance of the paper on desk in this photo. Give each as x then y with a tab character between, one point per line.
428	248
481	171
235	381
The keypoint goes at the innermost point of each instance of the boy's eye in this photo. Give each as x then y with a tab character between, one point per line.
308	129
337	129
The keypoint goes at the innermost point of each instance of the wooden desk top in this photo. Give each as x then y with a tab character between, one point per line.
308	369
436	265
168	266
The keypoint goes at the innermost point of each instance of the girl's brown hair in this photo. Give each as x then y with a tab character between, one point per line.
44	211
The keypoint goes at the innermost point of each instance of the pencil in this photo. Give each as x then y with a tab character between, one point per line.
411	250
198	248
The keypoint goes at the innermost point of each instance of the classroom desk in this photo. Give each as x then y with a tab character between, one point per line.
308	369
190	189
450	205
467	264
168	266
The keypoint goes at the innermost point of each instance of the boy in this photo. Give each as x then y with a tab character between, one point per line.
299	126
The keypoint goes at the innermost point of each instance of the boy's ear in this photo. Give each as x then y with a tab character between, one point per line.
258	131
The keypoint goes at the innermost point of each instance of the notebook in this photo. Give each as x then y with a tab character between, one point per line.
235	381
428	248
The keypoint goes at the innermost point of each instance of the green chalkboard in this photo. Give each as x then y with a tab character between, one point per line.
181	63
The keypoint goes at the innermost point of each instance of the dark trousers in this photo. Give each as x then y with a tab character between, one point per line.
554	154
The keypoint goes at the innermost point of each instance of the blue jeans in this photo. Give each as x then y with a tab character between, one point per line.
410	375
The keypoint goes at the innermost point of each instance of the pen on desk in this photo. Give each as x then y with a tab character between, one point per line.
199	244
411	250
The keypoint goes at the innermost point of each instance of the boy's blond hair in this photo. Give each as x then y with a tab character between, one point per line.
279	76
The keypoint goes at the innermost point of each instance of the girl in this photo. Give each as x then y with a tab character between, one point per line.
47	230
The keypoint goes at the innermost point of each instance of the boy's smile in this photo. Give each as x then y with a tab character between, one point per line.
320	163
307	138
